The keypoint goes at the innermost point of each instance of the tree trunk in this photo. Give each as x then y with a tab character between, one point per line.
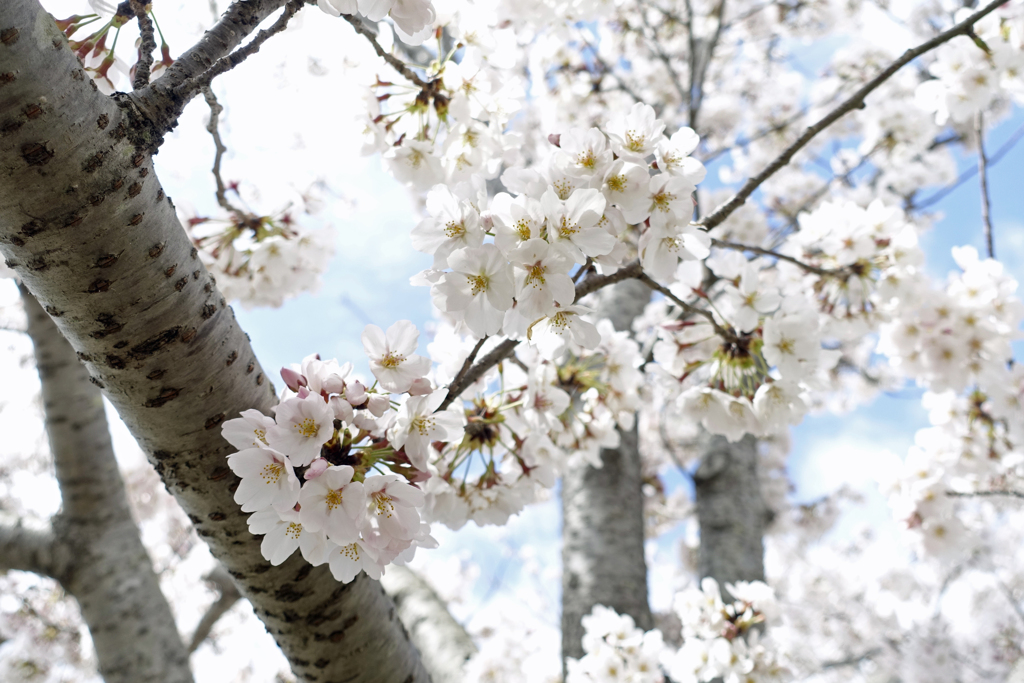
107	569
602	515
731	511
87	227
443	643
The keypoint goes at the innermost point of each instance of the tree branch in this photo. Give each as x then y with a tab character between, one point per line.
855	101
735	246
229	595
506	347
29	547
160	101
985	494
146	47
190	88
443	642
986	218
693	310
396	63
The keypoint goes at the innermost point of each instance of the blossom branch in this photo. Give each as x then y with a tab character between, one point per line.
986	218
162	101
505	349
214	130
146	47
28	547
189	88
722	244
966	175
468	362
229	595
689	308
855	101
396	63
985	494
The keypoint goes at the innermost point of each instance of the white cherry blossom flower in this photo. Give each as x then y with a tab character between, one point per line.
283	533
452	224
636	135
393	506
419	424
572	225
302	427
542	279
248	431
334	504
392	358
346	561
480	285
268	480
552	334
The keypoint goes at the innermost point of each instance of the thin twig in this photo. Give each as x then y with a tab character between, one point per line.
496	355
855	101
966	175
734	246
721	331
508	346
975	494
225	64
146	47
212	127
986	217
229	595
394	61
468	363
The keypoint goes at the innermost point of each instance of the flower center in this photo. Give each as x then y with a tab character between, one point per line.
392	360
454	230
423	425
477	283
307	428
662	200
294	530
617	183
535	274
383	503
272	472
261	434
634	141
333	499
351	551
523	228
586	159
567	229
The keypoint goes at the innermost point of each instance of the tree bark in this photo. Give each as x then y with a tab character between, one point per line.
443	643
731	511
107	568
88	229
602	515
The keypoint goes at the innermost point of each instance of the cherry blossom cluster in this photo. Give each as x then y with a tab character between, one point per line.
356	506
261	260
951	338
574	209
616	650
351	476
543	419
722	639
969	76
973	447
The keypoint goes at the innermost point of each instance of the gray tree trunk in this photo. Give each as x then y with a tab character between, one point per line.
87	227
731	511
443	644
602	515
105	565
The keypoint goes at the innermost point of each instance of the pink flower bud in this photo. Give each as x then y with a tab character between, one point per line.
292	379
420	387
378	404
418	476
555	139
303	392
316	468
